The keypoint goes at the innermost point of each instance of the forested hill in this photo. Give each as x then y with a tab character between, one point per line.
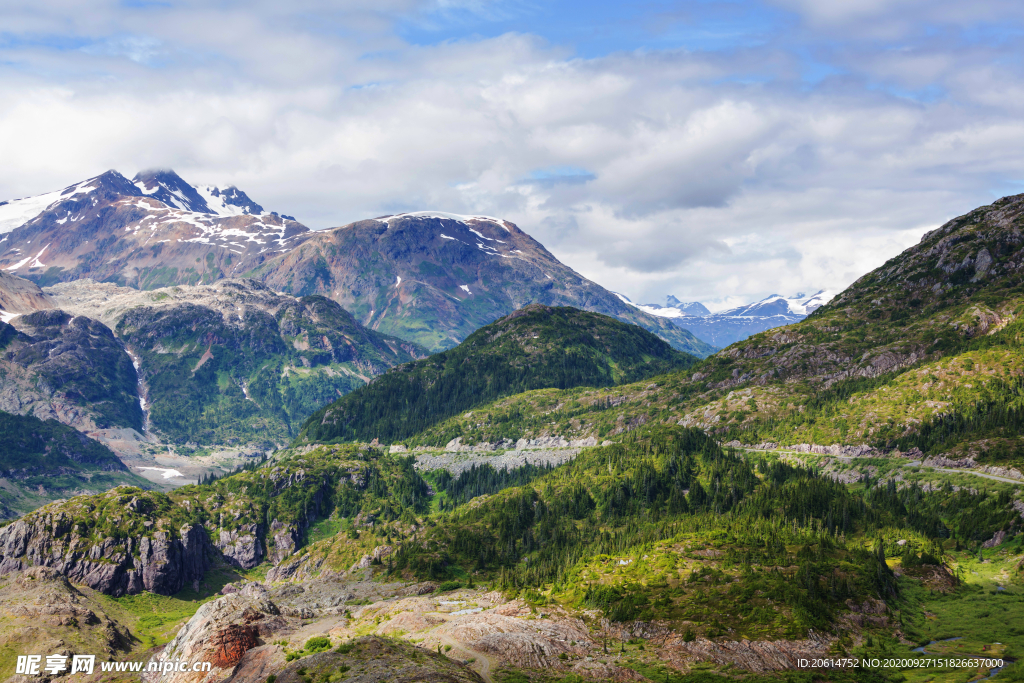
924	351
536	347
43	460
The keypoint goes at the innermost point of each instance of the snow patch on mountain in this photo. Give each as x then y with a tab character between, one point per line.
16	213
229	202
660	311
735	324
442	215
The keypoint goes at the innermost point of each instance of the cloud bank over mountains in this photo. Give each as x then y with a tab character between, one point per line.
743	148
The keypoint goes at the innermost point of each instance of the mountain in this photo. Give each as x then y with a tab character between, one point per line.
67	368
735	324
843	488
673	308
922	352
109	229
688	307
535	347
434	278
18	296
168	187
233	362
431	278
44	460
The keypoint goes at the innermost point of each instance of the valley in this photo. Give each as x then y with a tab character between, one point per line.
374	454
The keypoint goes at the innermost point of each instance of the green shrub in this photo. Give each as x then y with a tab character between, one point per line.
318	644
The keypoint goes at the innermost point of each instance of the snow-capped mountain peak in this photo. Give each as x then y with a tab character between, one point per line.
229	202
168	187
674	308
17	212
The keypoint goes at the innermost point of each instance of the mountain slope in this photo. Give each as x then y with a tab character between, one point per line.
427	277
168	187
435	278
927	343
18	296
42	461
534	347
234	362
70	368
109	229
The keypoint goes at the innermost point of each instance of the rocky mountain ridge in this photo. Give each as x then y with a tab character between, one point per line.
109	229
434	277
18	296
428	277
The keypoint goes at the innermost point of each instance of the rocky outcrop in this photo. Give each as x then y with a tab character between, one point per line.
501	455
68	368
760	656
159	563
997	539
221	632
835	450
241	547
232	642
19	296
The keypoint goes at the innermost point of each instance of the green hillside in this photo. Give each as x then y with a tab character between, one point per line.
44	460
534	347
923	352
252	378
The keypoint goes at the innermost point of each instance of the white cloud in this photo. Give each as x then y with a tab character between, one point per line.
702	182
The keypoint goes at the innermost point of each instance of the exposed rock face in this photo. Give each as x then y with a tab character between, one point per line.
107	228
164	564
520	642
435	278
836	450
221	632
753	655
18	295
232	642
999	537
68	368
241	547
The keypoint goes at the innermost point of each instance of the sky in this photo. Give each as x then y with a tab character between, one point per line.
715	151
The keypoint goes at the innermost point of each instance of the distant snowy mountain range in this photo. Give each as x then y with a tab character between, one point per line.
727	327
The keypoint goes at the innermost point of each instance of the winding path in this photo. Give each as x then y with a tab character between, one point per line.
483	664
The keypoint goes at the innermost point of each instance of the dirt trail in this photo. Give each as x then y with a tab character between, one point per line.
483	664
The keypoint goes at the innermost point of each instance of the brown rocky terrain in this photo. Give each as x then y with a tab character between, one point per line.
18	296
483	630
435	278
41	612
107	228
